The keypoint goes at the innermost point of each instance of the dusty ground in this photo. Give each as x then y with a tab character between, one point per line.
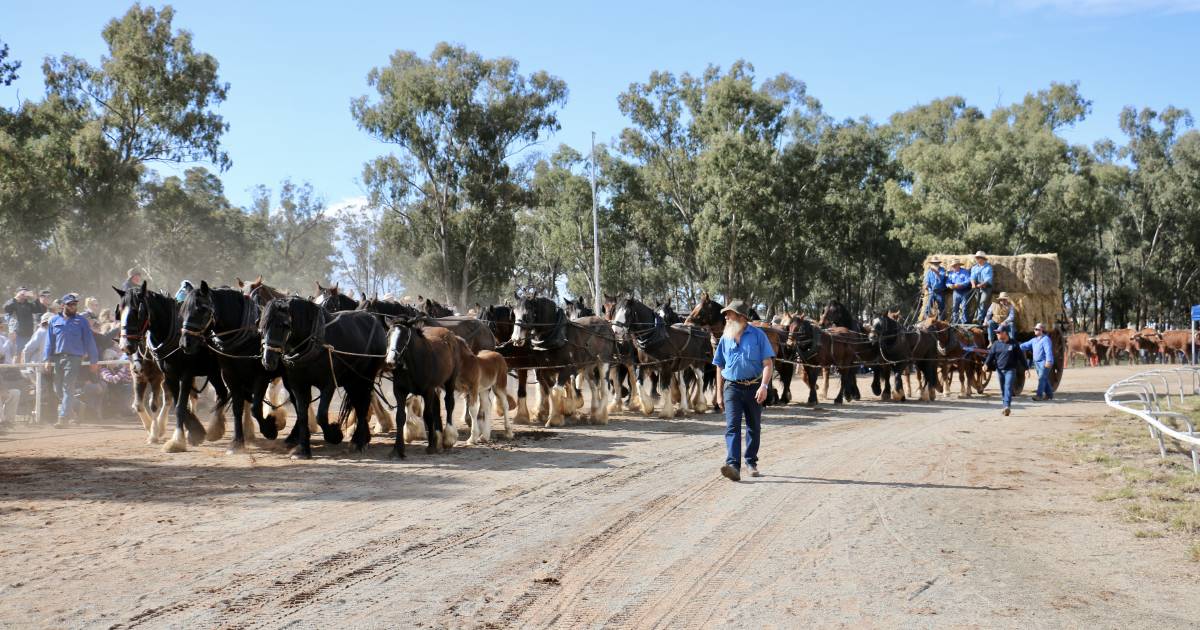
872	514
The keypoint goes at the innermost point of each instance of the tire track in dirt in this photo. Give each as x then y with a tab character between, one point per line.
609	560
379	560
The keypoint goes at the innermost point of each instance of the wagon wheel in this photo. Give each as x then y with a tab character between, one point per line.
1060	353
1018	383
987	378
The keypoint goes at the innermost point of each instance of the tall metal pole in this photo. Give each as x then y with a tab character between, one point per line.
595	234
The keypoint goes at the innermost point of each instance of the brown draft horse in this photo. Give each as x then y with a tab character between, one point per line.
665	350
543	338
421	361
815	348
707	314
955	358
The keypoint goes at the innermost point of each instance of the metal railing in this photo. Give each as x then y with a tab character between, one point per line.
1139	395
38	373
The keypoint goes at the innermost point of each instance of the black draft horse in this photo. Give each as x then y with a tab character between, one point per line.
899	347
328	352
227	321
667	351
154	316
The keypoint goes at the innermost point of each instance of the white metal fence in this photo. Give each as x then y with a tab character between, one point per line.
37	372
1140	396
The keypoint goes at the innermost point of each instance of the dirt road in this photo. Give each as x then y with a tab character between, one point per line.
872	514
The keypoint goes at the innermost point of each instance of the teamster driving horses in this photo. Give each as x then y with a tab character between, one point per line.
745	357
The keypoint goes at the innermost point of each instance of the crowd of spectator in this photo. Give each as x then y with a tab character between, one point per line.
52	336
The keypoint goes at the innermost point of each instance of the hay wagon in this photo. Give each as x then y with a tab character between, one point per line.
1032	282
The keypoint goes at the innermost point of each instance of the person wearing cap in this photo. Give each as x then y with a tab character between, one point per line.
959	281
68	339
37	343
133	278
981	281
744	356
1005	358
11	381
1002	313
22	309
1043	360
935	286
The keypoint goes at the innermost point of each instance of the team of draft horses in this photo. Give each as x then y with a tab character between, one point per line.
250	341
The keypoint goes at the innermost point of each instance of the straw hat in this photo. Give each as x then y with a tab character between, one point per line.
980	254
739	307
1003	296
935	261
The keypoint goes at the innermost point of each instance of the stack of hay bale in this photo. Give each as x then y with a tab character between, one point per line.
1031	281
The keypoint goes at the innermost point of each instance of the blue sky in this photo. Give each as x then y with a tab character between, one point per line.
294	66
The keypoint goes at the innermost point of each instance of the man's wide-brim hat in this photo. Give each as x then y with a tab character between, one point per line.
1003	296
739	307
935	261
980	254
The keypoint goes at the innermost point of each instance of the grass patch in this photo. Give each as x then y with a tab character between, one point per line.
1161	495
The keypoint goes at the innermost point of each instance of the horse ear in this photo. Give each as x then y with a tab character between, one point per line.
364	297
119	292
144	285
204	286
241	285
334	288
318	283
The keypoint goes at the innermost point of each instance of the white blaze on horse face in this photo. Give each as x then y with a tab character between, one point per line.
319	300
392	344
618	322
517	334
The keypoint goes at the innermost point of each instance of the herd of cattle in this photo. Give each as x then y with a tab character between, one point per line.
1136	346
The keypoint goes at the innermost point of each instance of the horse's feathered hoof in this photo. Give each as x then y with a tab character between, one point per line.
432	450
236	448
333	434
268	429
396	454
196	437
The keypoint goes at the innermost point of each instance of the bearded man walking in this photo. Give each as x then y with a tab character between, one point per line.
744	356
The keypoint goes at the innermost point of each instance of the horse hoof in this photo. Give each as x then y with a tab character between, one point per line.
195	438
432	450
268	429
174	446
396	455
299	455
333	434
235	449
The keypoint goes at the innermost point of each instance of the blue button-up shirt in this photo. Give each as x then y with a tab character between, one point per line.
743	360
1043	351
959	280
935	280
982	274
71	335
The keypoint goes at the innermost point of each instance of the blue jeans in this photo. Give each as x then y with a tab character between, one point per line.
938	298
959	309
739	401
985	300
1044	389
1006	380
66	381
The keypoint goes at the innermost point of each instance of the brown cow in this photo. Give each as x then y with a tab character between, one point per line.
1174	342
1080	343
1147	340
1117	341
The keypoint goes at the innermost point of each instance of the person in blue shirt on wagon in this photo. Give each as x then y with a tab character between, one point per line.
1043	360
959	281
68	339
935	286
981	280
744	356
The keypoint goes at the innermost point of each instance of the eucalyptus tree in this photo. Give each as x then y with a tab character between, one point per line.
458	121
